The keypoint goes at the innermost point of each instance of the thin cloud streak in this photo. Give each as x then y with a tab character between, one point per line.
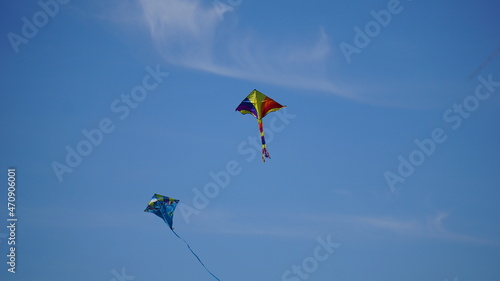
430	228
190	34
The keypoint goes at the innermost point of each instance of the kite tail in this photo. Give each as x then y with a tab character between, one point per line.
265	153
189	247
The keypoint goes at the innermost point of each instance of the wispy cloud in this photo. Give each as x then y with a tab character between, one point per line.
182	30
432	227
311	225
191	34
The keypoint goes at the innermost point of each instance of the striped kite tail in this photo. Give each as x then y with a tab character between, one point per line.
265	153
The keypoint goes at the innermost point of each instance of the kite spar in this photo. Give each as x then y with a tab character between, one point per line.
164	207
259	105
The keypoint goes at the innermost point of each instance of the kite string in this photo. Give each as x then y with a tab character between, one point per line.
189	247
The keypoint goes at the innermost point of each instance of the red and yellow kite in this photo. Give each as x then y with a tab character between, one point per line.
259	105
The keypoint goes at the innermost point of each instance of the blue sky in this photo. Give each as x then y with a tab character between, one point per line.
387	151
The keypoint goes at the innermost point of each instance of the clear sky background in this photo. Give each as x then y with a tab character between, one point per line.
388	148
